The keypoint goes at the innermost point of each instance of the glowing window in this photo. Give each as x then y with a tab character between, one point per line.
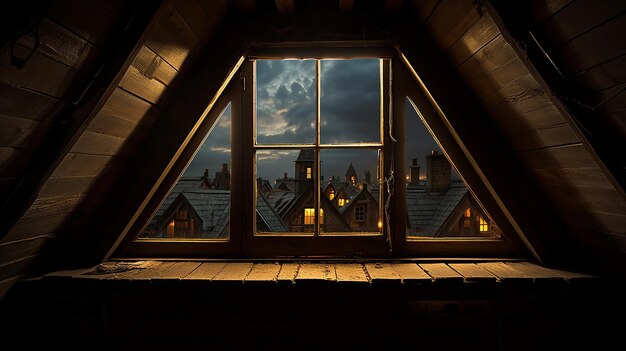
484	226
341	202
309	216
308	173
331	195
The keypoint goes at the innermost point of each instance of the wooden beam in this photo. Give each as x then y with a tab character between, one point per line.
479	138
599	138
72	121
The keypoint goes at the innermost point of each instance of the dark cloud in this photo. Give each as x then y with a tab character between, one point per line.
286	112
215	149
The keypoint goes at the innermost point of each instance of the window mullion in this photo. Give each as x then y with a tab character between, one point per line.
316	181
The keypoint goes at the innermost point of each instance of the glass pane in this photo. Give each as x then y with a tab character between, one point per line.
198	205
350	191
285	181
438	202
350	101
286	101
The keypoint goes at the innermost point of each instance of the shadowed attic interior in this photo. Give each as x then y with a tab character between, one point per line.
96	97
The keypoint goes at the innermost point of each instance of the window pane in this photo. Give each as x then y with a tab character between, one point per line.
350	101
286	101
350	191
284	199
198	206
438	202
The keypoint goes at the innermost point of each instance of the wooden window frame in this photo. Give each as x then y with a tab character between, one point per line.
391	243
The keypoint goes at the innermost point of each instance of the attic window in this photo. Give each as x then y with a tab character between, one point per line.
436	194
322	164
319	121
203	190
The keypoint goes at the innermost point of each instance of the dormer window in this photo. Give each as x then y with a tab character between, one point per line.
301	131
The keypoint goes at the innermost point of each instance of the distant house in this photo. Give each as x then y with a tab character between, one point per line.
441	207
436	206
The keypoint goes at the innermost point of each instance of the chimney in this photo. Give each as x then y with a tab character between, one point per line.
205	176
438	172
367	177
285	175
224	167
415	172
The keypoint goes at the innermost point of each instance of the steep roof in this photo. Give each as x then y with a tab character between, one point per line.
428	211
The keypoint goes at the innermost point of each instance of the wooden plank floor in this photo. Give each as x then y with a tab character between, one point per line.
310	272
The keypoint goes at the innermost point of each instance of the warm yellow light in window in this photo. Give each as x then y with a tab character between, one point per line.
380	224
308	173
484	226
332	194
347	201
341	202
309	216
467	213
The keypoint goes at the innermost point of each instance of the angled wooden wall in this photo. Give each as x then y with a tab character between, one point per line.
549	144
31	96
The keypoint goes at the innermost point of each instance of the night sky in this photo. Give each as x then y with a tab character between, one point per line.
286	103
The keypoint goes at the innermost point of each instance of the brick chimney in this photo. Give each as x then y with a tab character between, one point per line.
438	172
415	172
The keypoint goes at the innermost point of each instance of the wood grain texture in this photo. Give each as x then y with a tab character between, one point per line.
263	272
51	206
440	271
382	273
81	165
316	272
288	272
178	270
173	39
21	103
94	143
62	45
206	271
41	74
578	18
411	273
479	35
450	20
472	272
126	106
491	56
234	271
152	66
350	273
138	84
57	187
36	226
503	271
112	125
594	47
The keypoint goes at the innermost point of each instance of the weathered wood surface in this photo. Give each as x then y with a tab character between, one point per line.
339	272
234	271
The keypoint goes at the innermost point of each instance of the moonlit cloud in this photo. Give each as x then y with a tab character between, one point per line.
286	113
